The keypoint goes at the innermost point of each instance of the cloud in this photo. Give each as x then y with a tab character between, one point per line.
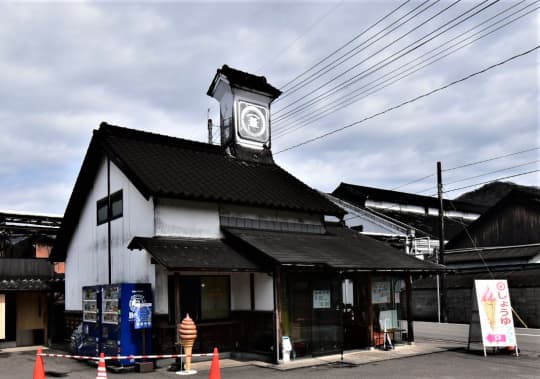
65	67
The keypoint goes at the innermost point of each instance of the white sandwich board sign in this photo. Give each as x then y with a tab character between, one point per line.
493	311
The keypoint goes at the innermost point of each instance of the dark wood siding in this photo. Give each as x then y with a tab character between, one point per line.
514	224
25	268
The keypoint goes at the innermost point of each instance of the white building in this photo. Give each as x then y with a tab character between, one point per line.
226	235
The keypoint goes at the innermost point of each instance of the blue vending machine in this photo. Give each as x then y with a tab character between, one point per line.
91	326
126	321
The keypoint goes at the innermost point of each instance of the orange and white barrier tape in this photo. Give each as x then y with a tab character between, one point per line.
119	357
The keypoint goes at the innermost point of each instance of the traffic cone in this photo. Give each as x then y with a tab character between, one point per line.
101	368
39	368
215	373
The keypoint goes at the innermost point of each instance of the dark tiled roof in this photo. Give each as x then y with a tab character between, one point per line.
168	167
29	283
192	254
243	79
339	248
492	254
359	194
176	168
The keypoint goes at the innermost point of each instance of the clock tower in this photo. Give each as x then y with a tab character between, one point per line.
244	101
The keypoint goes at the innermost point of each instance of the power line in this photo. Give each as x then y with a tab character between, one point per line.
475	249
382	63
410	101
348	100
493	158
413	181
491	181
347	82
493	172
481	175
343	46
356	50
306	31
473	163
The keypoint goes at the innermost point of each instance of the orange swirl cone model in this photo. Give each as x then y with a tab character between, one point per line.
188	334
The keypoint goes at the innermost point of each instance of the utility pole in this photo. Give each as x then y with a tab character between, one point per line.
441	243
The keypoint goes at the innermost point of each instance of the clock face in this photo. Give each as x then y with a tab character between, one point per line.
252	122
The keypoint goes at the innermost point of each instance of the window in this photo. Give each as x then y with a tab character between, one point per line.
214	297
117	208
205	297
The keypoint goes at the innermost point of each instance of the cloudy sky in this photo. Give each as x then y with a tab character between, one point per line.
67	66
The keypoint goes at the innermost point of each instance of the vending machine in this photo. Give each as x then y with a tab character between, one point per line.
126	321
91	326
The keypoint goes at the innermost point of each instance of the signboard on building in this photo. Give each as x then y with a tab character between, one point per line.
321	299
143	315
493	311
380	292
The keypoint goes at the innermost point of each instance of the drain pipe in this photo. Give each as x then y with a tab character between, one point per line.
109	216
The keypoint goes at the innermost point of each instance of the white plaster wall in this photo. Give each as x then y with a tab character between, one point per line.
161	291
82	260
264	292
190	219
372	226
240	292
87	254
269	214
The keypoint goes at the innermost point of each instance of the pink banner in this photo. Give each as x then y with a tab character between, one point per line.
495	312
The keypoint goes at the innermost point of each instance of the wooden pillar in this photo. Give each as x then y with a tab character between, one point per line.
277	311
370	311
177	365
177	310
410	315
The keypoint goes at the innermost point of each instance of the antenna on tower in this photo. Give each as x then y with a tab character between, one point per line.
210	137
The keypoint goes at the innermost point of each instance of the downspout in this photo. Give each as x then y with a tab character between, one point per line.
109	216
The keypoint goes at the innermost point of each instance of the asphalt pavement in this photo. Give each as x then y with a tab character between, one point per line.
439	352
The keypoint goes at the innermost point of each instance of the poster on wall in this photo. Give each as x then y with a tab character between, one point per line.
321	299
494	313
380	292
143	316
